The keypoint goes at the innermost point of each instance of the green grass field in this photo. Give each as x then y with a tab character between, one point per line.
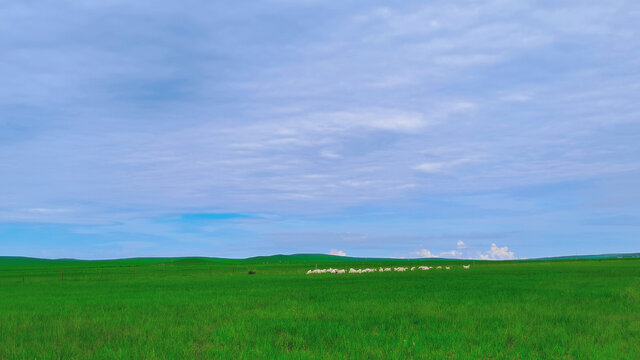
212	308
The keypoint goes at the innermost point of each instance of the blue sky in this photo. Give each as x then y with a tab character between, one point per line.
476	129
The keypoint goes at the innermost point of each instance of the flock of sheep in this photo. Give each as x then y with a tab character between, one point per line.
367	270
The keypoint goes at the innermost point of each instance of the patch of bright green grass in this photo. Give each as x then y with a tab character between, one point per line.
212	308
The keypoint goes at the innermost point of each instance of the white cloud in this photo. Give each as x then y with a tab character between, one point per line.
497	253
461	244
375	119
322	128
400	122
515	98
47	211
439	166
337	252
451	253
430	167
327	154
425	253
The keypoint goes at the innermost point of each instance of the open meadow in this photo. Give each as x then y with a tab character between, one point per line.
213	308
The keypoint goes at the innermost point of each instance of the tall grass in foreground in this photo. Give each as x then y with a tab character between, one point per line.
587	309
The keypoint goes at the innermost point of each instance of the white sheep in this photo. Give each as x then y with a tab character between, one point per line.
423	267
466	266
446	267
340	271
387	269
439	268
413	268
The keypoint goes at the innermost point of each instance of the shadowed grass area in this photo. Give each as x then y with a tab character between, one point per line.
211	308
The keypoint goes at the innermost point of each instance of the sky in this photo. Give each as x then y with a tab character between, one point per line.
467	129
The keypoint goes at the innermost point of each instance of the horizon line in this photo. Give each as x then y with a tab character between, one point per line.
629	254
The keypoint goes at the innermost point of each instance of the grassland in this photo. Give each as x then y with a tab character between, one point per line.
211	308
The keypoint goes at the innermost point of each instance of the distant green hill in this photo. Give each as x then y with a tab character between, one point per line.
273	259
16	261
308	258
599	256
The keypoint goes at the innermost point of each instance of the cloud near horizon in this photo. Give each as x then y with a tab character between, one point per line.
424	253
337	252
497	253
